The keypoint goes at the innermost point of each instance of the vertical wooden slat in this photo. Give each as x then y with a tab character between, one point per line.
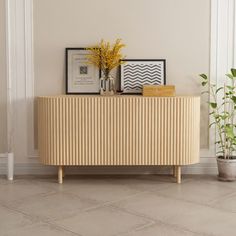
115	133
99	127
119	130
79	130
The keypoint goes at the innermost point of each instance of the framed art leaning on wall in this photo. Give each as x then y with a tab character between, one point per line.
134	73
81	77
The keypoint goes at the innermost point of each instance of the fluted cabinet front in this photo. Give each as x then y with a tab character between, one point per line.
118	130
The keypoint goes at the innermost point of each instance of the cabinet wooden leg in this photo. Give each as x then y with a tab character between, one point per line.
178	174
60	174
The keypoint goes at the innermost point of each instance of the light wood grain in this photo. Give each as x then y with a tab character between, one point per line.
60	174
178	174
158	90
118	130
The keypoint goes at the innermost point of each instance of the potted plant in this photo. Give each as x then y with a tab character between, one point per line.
222	104
106	57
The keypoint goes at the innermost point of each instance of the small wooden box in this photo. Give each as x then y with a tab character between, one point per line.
158	90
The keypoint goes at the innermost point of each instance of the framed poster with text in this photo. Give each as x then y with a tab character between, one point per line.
81	77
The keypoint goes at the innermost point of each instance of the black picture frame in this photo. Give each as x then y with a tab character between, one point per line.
83	88
128	83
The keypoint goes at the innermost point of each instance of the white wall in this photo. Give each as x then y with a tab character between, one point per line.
175	30
3	86
178	31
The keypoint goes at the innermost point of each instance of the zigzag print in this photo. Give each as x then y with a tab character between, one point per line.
131	88
136	75
142	80
136	70
142	70
139	74
141	65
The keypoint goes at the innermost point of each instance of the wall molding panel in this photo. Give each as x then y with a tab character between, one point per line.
20	73
20	76
29	57
222	52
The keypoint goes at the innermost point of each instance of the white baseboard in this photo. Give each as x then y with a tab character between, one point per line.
205	167
8	160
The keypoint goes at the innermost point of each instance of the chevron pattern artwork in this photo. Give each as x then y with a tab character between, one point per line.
136	73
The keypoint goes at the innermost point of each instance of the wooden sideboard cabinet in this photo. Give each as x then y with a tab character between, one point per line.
119	131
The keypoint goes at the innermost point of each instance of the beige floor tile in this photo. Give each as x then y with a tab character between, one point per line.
71	182
212	179
108	188
160	230
228	203
3	180
197	191
206	220
156	207
99	189
10	219
20	189
164	178
194	206
102	191
102	222
72	179
53	206
144	183
39	230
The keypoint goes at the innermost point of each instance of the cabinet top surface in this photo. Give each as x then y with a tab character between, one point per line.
116	96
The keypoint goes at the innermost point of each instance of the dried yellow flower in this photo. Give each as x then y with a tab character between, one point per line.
106	56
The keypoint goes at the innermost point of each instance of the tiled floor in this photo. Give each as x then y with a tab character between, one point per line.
117	206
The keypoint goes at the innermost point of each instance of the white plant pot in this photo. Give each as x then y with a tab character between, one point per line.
227	169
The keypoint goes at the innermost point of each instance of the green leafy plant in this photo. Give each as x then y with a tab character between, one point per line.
222	103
